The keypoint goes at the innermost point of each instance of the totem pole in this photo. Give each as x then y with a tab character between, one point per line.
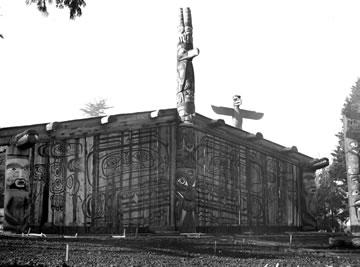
185	181
17	184
351	121
186	80
185	175
236	113
309	193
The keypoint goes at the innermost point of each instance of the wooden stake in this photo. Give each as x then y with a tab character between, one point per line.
67	253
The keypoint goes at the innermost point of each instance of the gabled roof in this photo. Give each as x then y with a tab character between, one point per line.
92	126
140	120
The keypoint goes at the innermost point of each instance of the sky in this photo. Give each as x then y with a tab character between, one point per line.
295	61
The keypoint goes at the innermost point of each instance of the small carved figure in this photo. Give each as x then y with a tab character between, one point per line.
236	113
186	80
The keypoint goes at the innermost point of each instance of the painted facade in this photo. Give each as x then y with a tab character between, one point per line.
105	182
158	174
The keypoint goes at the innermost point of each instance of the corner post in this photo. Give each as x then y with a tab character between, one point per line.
17	182
308	193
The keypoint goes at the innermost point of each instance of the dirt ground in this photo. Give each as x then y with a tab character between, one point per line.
176	250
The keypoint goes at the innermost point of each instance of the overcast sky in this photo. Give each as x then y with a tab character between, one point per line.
295	61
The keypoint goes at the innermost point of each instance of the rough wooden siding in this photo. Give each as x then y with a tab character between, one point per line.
239	186
105	182
2	180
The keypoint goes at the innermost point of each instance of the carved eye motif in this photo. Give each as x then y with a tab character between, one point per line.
354	144
182	181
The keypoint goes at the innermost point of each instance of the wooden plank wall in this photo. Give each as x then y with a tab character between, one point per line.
104	183
241	187
110	181
2	180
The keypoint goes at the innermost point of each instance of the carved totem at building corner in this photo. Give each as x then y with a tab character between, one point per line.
308	193
185	180
186	79
351	122
17	182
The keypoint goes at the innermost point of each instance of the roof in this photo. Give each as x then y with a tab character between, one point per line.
140	120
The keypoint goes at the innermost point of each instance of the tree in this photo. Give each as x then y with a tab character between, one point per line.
332	181
95	109
74	6
331	200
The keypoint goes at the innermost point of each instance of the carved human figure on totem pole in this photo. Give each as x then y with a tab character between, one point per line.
309	193
352	159
17	183
185	71
351	122
236	113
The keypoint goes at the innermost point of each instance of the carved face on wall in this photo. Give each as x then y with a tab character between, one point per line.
237	100
355	189
353	164
17	174
185	189
309	183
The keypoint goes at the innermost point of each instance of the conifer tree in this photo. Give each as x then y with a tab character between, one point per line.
332	181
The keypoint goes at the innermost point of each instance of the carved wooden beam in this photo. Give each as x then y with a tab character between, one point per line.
286	150
216	123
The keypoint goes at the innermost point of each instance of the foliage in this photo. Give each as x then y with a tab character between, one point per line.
95	109
74	6
337	169
332	181
332	201
355	93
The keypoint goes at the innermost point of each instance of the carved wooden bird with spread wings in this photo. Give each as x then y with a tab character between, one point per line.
237	113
